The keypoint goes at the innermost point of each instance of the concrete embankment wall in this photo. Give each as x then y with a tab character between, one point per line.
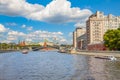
100	53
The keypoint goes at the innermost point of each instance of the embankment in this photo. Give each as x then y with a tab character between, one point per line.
99	53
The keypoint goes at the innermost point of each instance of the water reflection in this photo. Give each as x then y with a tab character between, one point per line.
80	67
90	68
113	68
36	66
56	66
97	68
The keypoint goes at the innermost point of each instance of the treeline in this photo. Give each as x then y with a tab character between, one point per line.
8	46
14	46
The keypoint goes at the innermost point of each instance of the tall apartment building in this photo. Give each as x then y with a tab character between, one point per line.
98	24
77	37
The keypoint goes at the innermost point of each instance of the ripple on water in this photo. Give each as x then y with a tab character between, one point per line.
56	66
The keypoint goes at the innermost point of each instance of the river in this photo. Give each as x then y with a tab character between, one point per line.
56	66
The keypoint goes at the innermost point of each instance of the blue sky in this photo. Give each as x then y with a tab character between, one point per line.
36	20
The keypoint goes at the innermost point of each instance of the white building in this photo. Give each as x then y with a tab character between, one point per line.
98	24
79	38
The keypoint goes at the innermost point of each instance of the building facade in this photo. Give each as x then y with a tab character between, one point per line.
79	38
97	25
81	42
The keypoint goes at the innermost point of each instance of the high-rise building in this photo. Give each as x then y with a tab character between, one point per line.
98	24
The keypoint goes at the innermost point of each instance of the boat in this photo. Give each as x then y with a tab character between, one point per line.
35	49
62	51
109	57
72	51
25	51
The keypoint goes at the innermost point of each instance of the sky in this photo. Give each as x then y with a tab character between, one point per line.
54	20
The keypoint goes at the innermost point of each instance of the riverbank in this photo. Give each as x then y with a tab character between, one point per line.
6	51
99	53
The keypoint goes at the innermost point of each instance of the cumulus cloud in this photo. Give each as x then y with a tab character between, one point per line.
18	7
23	26
29	28
2	28
16	33
45	34
63	40
38	35
60	11
80	24
33	36
57	11
11	38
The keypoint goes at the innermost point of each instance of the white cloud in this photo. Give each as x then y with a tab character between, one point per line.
70	34
39	35
23	26
2	28
11	38
60	11
63	40
29	40
11	24
45	34
57	11
42	35
29	28
80	24
18	7
60	33
15	33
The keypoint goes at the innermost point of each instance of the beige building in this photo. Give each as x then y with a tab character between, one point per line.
81	42
98	24
48	43
78	37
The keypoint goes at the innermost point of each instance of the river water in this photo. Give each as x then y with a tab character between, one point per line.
56	66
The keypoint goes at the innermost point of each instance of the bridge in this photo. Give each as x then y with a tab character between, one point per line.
36	48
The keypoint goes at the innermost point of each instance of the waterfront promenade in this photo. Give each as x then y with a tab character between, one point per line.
99	53
82	52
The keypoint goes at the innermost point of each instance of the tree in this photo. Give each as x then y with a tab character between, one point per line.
112	39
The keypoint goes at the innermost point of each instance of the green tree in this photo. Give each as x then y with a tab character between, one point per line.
112	39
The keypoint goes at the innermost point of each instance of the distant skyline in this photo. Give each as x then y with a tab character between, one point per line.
36	20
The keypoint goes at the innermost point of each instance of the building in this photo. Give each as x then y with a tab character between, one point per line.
98	24
79	38
81	42
21	43
47	43
74	39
